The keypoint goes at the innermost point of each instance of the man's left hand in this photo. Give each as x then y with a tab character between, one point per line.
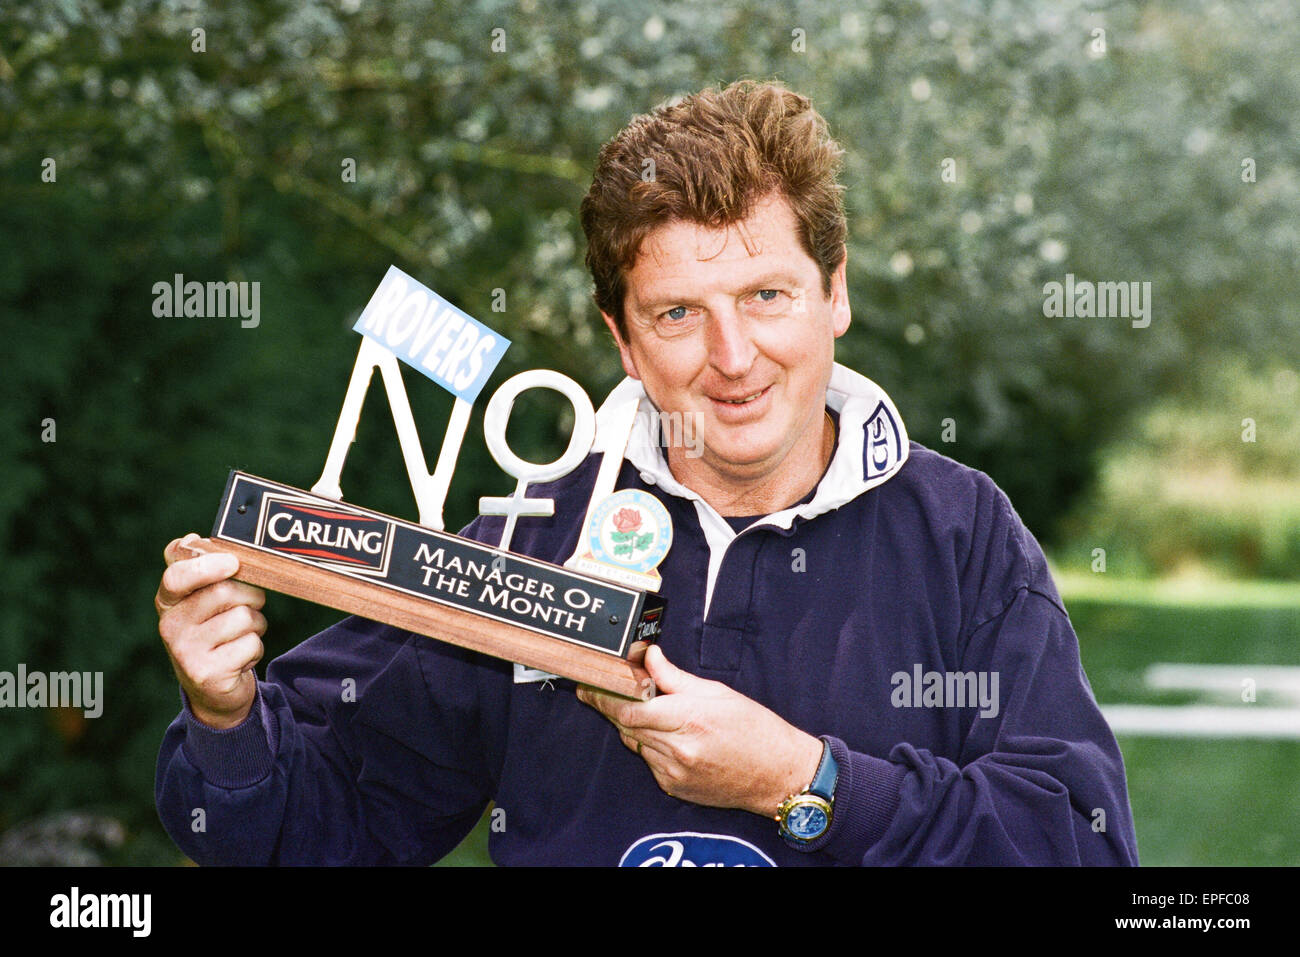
709	744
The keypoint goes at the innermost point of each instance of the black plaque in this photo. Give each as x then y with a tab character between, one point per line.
435	566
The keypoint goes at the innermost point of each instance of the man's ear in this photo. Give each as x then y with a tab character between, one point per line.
624	353
841	315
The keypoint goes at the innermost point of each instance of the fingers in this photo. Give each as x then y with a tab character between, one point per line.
186	576
657	663
214	660
668	678
239	654
211	600
176	548
229	625
662	765
648	731
650	749
658	714
659	749
213	676
192	644
212	628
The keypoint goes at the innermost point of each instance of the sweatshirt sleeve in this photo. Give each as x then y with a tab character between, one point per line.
1042	782
363	747
1038	779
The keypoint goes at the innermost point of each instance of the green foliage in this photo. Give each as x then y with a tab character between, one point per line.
470	163
1199	488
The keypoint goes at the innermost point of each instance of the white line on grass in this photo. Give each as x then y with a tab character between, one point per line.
1203	721
1227	679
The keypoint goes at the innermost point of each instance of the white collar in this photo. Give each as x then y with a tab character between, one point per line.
872	446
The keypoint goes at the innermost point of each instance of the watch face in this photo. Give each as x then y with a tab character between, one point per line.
806	821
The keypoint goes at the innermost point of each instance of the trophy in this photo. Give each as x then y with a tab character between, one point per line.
589	620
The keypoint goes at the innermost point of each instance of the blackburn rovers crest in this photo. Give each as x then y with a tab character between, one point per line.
627	537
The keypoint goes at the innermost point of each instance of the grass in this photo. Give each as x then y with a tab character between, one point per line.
1177	593
1196	801
1200	801
472	852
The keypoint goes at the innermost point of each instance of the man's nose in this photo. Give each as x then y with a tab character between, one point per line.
731	349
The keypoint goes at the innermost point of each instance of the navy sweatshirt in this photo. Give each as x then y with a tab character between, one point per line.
904	612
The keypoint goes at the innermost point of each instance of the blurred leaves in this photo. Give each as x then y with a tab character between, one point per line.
1201	489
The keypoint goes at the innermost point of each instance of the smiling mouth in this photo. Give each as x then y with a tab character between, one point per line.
743	400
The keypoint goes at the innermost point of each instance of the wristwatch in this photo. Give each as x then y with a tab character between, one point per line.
806	816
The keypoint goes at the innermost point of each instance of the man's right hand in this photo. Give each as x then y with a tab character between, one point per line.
212	628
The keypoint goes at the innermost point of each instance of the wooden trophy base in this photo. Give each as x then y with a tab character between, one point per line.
623	676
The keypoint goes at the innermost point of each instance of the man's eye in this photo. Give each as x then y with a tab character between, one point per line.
676	313
767	295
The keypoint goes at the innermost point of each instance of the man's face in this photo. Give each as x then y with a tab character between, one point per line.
731	328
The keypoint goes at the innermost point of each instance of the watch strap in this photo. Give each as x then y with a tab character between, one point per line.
827	774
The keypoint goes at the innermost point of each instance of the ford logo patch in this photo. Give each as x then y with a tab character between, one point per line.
694	850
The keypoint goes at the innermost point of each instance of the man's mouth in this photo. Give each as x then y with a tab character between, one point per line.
740	400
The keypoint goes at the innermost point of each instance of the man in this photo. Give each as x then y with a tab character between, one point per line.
864	659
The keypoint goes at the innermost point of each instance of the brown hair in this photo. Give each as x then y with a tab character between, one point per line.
714	153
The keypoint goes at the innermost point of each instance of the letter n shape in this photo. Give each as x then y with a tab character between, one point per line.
430	489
